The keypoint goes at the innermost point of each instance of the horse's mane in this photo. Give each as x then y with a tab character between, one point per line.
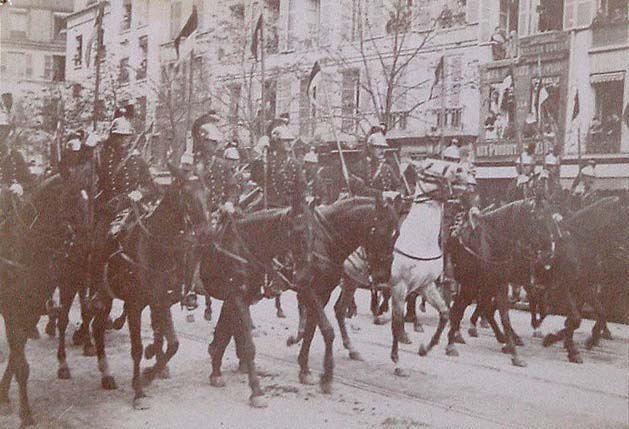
263	216
595	217
503	211
346	204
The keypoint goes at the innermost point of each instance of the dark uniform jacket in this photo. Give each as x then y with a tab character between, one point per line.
222	184
121	173
285	180
378	175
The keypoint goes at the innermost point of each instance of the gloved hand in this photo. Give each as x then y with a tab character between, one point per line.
135	196
17	189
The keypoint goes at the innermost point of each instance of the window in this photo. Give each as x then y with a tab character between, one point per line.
16	64
18	24
78	51
48	67
549	15
452	118
175	19
349	100
126	15
291	38
58	68
313	13
578	13
605	126
58	26
141	71
141	12
123	76
28	66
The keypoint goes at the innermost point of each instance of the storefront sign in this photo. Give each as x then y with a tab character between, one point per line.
544	45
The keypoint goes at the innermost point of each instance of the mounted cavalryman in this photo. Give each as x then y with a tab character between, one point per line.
14	172
582	189
375	170
285	177
124	183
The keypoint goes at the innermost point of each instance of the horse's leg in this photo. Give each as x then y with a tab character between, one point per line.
207	314
156	347
502	301
99	327
305	376
135	325
572	323
318	303
461	301
473	330
119	322
167	332
383	308
278	307
373	304
53	315
17	342
248	351
5	383
534	307
303	316
398	299
85	337
67	294
489	307
592	298
340	310
434	298
222	336
411	312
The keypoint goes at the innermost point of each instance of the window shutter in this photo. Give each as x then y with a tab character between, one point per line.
283	96
471	12
569	16
28	65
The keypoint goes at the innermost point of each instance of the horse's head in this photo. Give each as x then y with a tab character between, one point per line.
540	230
381	234
441	179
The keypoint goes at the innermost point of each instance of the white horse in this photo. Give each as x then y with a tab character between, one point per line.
418	257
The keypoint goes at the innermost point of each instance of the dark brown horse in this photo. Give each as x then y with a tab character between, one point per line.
493	250
145	268
33	233
591	251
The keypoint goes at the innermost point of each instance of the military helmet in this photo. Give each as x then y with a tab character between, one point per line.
526	159
282	132
187	159
377	140
231	153
588	171
121	126
311	157
551	160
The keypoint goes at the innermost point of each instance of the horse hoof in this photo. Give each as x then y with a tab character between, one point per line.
109	324
89	350
418	328
149	351
451	351
207	314
473	332
404	339
326	388
354	355
5	407
606	335
399	372
423	351
280	314
519	342
516	361
217	381
258	402
589	343
108	383
190	318
51	329
27	421
380	321
165	373
243	368
119	323
549	340
575	358
409	318
63	373
538	334
148	375
141	403
458	338
33	334
307	379
508	349
292	340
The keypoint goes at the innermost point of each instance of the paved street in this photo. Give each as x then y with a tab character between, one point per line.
479	389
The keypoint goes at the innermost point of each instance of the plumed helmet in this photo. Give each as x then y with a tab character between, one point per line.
471	180
74	144
282	132
187	159
210	131
311	157
452	153
551	160
92	140
121	126
589	171
377	140
526	159
231	153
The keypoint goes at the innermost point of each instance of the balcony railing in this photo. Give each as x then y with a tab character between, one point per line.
603	143
610	34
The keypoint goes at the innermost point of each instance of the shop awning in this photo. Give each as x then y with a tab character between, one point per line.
607	77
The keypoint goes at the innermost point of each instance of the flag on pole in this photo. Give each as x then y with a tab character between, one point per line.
313	82
439	75
187	30
98	23
576	109
257	33
541	97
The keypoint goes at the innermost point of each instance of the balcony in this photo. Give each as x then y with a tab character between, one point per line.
610	34
603	143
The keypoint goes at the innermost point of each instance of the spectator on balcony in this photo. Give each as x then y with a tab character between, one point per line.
501	125
498	41
600	20
512	45
612	125
596	130
490	127
618	15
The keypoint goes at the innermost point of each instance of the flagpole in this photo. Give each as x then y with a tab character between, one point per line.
443	101
190	77
344	168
